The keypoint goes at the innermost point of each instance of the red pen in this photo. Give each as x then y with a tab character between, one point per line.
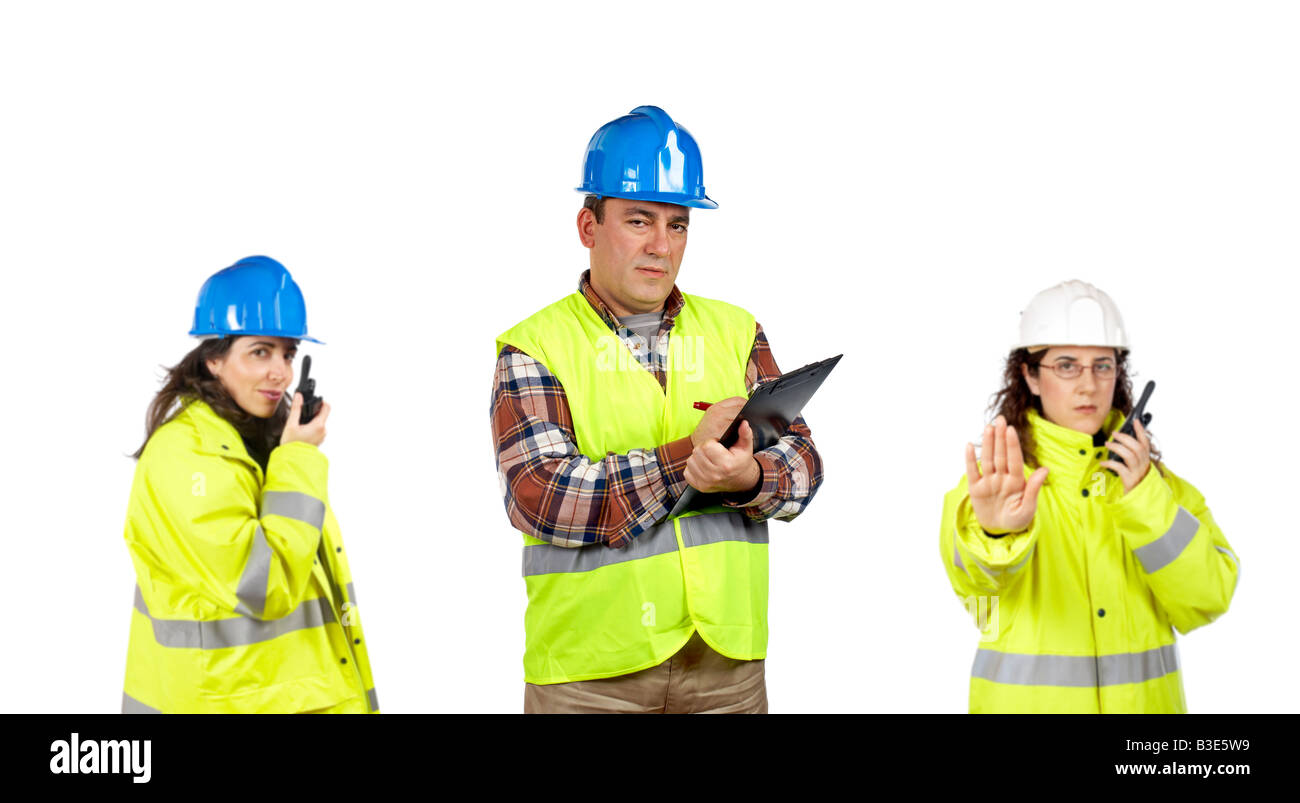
703	405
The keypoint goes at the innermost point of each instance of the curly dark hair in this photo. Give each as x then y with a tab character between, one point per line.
1015	399
190	379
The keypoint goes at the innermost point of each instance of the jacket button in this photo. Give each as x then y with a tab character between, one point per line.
356	641
338	549
1085	493
1101	611
1083	451
343	660
224	446
1098	455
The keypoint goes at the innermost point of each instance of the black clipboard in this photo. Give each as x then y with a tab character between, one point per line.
769	411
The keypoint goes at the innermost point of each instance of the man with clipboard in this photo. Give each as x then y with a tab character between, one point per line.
630	606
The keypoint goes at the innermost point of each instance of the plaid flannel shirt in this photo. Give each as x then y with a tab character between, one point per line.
554	492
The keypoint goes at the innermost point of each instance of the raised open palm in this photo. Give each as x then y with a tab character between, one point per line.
1004	501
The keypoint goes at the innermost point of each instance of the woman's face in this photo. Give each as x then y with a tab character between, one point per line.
256	372
1082	403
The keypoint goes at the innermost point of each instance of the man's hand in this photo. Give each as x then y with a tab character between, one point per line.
1003	501
716	420
312	432
1136	454
713	468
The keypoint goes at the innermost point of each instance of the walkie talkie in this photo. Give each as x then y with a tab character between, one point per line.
307	387
1137	414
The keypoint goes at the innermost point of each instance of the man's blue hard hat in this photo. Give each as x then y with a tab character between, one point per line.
254	296
645	156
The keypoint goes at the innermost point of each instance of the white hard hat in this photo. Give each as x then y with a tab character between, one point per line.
1072	313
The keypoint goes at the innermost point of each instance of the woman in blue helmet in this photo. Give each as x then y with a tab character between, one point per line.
244	601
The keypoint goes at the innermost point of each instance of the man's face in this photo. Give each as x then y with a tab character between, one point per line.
635	252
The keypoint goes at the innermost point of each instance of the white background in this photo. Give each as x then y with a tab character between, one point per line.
895	181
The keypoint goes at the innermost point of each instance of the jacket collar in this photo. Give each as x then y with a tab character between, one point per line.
1066	450
216	435
672	305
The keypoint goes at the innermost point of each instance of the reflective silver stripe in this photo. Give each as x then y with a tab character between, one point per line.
956	554
252	583
139	602
1074	670
374	699
710	528
1233	557
352	594
1135	667
548	559
714	528
1035	670
1023	561
215	634
130	705
1162	551
992	573
294	505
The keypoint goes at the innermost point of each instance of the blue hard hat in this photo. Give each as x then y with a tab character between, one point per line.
644	155
254	296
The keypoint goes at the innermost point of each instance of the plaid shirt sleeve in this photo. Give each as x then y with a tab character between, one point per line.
555	493
792	468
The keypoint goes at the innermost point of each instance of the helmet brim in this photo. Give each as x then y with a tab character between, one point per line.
678	199
215	335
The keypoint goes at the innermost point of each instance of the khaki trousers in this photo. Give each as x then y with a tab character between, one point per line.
696	680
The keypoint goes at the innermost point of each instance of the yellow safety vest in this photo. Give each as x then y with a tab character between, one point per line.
235	612
596	612
1076	614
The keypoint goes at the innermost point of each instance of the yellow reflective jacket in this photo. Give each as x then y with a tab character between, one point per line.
244	601
596	612
1077	613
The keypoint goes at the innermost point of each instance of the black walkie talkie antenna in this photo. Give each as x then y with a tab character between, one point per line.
1137	414
307	387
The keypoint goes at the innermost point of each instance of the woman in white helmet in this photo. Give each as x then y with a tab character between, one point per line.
243	601
1078	567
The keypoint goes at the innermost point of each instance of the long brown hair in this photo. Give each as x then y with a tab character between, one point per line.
1015	399
190	379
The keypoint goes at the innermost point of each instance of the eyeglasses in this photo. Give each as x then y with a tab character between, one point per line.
1073	370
